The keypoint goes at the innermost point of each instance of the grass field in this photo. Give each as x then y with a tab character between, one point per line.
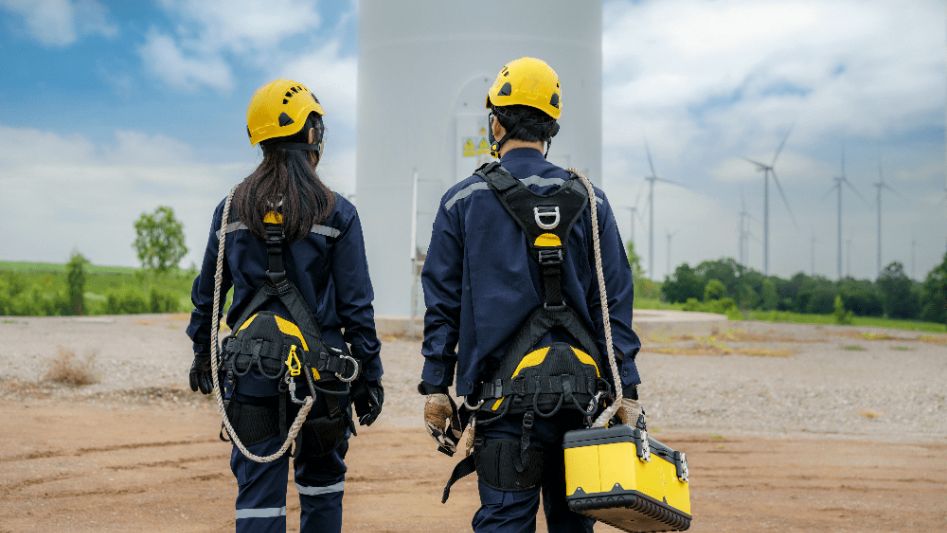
803	318
31	288
865	321
28	288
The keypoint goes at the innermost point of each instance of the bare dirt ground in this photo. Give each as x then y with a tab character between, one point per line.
787	428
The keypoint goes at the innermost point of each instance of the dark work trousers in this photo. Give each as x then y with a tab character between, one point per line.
261	493
515	510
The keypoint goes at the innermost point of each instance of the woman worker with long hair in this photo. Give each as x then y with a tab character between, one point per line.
302	301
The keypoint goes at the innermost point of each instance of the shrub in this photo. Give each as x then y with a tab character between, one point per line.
842	316
900	298
76	279
163	301
714	290
126	302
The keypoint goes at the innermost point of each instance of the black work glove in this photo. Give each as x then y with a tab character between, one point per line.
368	397
200	375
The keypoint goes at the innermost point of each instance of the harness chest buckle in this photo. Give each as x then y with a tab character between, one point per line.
550	257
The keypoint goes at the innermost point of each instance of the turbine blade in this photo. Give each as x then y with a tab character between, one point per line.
638	198
759	165
650	161
828	192
782	144
895	191
782	195
854	190
672	182
843	161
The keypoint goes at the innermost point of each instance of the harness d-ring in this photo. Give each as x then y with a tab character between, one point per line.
473	407
355	368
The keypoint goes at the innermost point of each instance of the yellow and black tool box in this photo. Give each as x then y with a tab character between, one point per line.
622	477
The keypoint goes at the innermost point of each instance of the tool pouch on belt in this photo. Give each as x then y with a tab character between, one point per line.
322	434
503	465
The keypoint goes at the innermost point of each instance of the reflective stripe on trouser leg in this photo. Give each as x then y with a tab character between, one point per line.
320	491
320	481
261	489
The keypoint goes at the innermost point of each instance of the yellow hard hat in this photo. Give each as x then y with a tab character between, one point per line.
527	81
280	109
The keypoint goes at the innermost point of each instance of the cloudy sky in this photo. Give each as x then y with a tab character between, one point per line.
108	109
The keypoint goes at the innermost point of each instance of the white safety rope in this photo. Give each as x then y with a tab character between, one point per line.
609	411
215	354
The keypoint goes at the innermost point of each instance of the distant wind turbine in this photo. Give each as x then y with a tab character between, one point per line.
651	180
837	187
880	186
633	212
812	241
770	171
744	231
670	235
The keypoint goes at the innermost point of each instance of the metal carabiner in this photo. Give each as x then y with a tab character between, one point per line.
351	378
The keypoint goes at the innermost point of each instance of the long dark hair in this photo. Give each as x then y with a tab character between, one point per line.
285	181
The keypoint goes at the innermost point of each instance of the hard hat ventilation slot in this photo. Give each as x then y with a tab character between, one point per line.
295	90
554	101
288	94
285	120
506	90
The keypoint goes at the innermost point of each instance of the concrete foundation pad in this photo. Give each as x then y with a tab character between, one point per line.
646	322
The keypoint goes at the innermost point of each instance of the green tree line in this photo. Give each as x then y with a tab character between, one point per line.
725	286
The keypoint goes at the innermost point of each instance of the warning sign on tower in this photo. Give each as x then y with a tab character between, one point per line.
476	146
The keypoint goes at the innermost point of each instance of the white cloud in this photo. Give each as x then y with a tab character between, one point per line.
242	25
61	22
710	82
163	58
209	34
327	73
88	196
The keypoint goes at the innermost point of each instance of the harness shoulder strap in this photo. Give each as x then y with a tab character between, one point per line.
546	220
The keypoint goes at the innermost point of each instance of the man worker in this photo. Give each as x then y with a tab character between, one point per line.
513	311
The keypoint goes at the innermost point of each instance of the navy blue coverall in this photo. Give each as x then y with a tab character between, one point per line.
330	269
480	285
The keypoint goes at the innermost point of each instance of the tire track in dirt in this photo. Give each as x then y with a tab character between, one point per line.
80	452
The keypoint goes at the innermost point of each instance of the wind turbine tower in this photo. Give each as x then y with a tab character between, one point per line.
670	235
768	172
841	182
880	186
651	180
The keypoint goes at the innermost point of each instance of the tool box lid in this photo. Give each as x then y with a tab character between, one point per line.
598	436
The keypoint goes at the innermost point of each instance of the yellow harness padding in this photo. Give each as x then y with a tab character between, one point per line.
548	240
538	356
286	328
272	217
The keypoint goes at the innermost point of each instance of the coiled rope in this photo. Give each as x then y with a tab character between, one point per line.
215	355
609	411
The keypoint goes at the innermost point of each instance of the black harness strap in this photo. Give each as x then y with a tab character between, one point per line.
541	219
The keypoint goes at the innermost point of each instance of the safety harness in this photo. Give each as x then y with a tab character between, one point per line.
529	380
281	349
